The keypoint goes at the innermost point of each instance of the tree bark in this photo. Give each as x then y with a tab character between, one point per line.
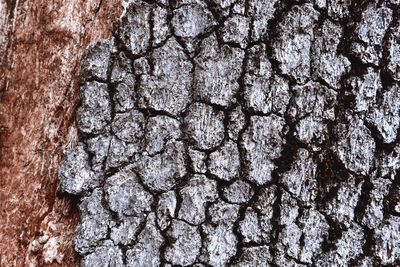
211	133
243	134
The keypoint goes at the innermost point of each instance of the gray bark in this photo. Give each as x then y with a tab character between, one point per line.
241	133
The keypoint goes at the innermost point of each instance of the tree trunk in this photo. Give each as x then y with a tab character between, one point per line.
214	133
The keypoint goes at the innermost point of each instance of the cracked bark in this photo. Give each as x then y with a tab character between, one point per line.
240	133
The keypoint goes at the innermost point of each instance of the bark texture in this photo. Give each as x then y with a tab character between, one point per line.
241	133
41	45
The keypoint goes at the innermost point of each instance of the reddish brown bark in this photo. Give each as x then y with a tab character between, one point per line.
41	44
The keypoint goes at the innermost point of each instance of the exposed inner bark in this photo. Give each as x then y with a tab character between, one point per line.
41	46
